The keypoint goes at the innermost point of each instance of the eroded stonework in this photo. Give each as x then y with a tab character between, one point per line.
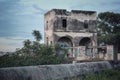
74	28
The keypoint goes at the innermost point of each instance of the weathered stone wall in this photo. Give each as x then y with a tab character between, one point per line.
48	27
75	37
74	24
107	54
52	72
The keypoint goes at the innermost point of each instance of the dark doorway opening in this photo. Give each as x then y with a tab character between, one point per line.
85	42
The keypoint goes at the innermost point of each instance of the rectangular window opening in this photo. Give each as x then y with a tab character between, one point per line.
46	25
64	23
47	40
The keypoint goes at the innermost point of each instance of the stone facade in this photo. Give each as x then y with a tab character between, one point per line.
74	28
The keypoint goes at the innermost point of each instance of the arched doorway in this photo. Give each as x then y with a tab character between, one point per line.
66	42
86	46
85	42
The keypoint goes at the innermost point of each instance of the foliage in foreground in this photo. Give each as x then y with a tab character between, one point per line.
35	53
106	75
46	56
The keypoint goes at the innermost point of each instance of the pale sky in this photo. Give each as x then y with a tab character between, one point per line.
19	17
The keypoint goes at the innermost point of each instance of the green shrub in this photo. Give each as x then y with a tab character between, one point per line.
34	53
105	75
45	56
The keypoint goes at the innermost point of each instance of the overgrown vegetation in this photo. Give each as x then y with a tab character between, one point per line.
35	53
109	28
109	31
105	75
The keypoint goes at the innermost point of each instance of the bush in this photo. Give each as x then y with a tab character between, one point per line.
34	53
105	75
45	56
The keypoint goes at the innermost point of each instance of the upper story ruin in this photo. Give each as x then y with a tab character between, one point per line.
76	20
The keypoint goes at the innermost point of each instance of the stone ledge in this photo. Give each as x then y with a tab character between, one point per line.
52	72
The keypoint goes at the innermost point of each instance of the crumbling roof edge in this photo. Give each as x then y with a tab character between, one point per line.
83	11
72	11
55	10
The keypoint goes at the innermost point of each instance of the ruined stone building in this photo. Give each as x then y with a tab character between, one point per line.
73	28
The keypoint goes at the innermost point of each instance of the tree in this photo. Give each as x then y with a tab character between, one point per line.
27	46
109	30
37	35
36	47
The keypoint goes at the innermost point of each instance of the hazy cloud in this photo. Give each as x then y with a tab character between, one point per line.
19	17
41	11
99	6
